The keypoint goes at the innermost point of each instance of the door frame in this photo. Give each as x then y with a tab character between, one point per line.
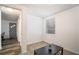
0	31
17	23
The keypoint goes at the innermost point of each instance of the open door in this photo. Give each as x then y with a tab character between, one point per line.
12	31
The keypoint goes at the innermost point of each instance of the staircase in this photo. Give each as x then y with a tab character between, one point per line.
12	49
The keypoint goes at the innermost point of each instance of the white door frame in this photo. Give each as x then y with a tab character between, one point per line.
20	33
0	29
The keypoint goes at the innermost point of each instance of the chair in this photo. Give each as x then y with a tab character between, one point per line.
2	35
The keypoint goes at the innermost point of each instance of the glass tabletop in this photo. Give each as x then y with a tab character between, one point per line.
50	49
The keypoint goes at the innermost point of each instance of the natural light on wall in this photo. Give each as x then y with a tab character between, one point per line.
10	10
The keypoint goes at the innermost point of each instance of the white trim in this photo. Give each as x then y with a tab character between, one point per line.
0	29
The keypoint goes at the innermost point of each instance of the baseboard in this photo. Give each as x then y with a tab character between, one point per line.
23	54
71	51
33	42
65	48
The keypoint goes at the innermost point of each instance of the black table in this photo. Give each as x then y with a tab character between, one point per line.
50	49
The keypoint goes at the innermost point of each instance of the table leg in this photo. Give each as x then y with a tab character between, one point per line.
62	51
35	53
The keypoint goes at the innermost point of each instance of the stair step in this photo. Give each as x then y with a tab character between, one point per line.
11	49
10	46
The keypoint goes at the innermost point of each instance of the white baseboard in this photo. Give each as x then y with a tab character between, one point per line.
64	48
33	42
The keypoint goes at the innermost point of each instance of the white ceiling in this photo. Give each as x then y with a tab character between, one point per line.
9	14
48	10
40	10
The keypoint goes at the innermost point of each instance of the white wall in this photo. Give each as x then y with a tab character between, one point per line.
67	30
5	27
31	29
47	37
34	29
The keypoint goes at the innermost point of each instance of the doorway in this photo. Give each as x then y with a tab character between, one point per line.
10	43
12	31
